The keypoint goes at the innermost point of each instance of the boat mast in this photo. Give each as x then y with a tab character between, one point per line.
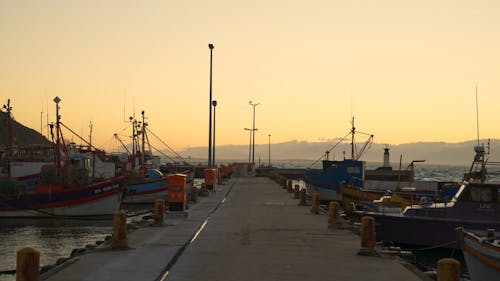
10	153
353	131
57	100
143	132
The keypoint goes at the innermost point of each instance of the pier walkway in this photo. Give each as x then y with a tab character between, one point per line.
249	229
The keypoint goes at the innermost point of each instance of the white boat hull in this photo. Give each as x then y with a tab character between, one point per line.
479	270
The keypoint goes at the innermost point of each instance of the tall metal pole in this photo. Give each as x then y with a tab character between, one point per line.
214	104
211	47
253	132
269	151
250	146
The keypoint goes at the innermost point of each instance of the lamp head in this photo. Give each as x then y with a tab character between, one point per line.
214	103
210	46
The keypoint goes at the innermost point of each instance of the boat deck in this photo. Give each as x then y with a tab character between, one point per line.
248	229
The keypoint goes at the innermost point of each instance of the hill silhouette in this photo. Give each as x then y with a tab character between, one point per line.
436	153
21	135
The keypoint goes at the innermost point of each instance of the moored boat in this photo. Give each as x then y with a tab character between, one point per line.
329	180
66	188
481	253
475	207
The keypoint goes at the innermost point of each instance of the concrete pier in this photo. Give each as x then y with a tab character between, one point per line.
248	229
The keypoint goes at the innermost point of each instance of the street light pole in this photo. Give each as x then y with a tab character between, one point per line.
250	146
211	47
269	151
253	132
214	104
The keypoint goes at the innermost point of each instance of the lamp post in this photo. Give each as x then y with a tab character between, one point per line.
269	150
211	47
214	104
253	131
250	146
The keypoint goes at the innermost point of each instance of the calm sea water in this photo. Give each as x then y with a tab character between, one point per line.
56	239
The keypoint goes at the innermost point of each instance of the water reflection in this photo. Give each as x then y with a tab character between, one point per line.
53	238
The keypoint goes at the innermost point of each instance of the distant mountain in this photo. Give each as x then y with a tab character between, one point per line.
437	153
22	135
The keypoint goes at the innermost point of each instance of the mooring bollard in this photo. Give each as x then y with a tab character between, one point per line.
333	211
367	236
448	270
159	211
315	203
296	192
303	198
120	230
194	194
289	186
28	265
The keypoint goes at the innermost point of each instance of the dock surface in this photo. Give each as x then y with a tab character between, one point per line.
248	229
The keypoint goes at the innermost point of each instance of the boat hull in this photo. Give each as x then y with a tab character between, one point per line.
327	192
423	231
146	191
99	199
482	257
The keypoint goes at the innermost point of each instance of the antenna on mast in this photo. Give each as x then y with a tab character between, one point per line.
477	118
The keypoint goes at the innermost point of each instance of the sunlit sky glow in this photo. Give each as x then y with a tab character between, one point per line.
406	70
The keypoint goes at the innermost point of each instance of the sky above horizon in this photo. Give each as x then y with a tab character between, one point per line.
407	70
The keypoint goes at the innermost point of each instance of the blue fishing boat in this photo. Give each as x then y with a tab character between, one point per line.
328	181
145	182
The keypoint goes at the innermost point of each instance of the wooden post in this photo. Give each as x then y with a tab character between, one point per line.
28	265
120	230
448	270
367	236
315	203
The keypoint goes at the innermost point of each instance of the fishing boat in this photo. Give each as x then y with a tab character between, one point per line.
145	182
482	254
475	207
66	188
385	187
333	174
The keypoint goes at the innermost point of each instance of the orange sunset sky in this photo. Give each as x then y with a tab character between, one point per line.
407	70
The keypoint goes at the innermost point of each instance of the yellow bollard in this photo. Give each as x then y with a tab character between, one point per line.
159	211
367	236
28	265
315	203
448	270
120	230
296	192
303	198
333	211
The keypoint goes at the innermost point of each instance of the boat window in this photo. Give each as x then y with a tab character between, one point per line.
353	170
481	194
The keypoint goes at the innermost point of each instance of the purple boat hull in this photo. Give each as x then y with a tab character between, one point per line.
476	208
421	231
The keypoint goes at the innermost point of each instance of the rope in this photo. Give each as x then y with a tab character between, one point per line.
171	149
433	247
335	145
